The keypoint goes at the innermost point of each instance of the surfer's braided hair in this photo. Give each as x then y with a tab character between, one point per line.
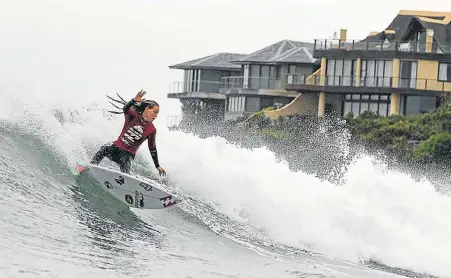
138	106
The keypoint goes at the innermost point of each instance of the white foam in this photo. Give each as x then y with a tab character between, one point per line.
380	215
384	216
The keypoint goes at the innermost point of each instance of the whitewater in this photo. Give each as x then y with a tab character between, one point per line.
245	214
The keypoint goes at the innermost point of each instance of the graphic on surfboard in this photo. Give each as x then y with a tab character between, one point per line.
129	189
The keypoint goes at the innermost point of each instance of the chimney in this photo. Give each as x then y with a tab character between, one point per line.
343	34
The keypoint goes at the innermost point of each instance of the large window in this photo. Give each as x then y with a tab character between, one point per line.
408	74
359	103
376	73
192	80
340	72
259	76
444	72
236	104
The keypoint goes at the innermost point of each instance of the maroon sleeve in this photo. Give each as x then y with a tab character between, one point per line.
151	140
153	148
130	114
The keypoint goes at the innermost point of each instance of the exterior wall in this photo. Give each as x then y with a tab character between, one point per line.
303	104
253	104
428	76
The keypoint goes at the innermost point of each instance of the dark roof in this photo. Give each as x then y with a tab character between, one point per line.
286	51
402	25
218	61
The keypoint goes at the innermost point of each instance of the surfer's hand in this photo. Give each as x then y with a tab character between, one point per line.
161	171
140	96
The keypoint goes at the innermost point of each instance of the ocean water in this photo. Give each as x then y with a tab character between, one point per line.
245	214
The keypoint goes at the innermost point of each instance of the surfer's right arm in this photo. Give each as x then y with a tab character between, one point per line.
128	105
139	97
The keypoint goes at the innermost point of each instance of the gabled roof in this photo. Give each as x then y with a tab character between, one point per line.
405	20
286	51
215	61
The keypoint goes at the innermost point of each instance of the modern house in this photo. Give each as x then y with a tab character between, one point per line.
262	82
199	90
229	86
403	69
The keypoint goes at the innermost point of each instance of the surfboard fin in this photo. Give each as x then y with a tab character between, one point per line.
81	168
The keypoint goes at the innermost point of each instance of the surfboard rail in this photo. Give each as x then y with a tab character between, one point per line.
131	190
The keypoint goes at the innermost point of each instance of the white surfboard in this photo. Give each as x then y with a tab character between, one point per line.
129	189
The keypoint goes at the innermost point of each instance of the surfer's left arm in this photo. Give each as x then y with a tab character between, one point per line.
154	153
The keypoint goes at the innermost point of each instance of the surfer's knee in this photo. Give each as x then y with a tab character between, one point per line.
100	154
125	163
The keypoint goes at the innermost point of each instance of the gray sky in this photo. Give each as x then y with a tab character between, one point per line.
84	49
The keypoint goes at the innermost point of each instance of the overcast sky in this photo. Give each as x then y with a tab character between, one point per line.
84	49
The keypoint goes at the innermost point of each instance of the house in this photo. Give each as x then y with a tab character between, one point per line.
403	69
262	82
199	90
228	86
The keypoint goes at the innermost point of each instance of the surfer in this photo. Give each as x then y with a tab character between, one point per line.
138	126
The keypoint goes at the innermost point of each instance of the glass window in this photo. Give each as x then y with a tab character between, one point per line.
346	108
373	107
364	106
356	108
383	109
444	72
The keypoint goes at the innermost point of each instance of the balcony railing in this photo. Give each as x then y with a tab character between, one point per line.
399	46
232	82
240	82
369	81
195	86
173	121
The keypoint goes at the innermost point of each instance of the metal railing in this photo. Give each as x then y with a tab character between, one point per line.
399	46
195	86
173	121
251	82
232	82
369	81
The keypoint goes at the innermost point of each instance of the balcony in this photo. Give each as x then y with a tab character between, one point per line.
196	89
322	45
250	83
366	84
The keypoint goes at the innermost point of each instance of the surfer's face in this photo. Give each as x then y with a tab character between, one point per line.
151	114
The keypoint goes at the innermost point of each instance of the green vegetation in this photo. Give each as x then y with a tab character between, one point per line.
420	138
